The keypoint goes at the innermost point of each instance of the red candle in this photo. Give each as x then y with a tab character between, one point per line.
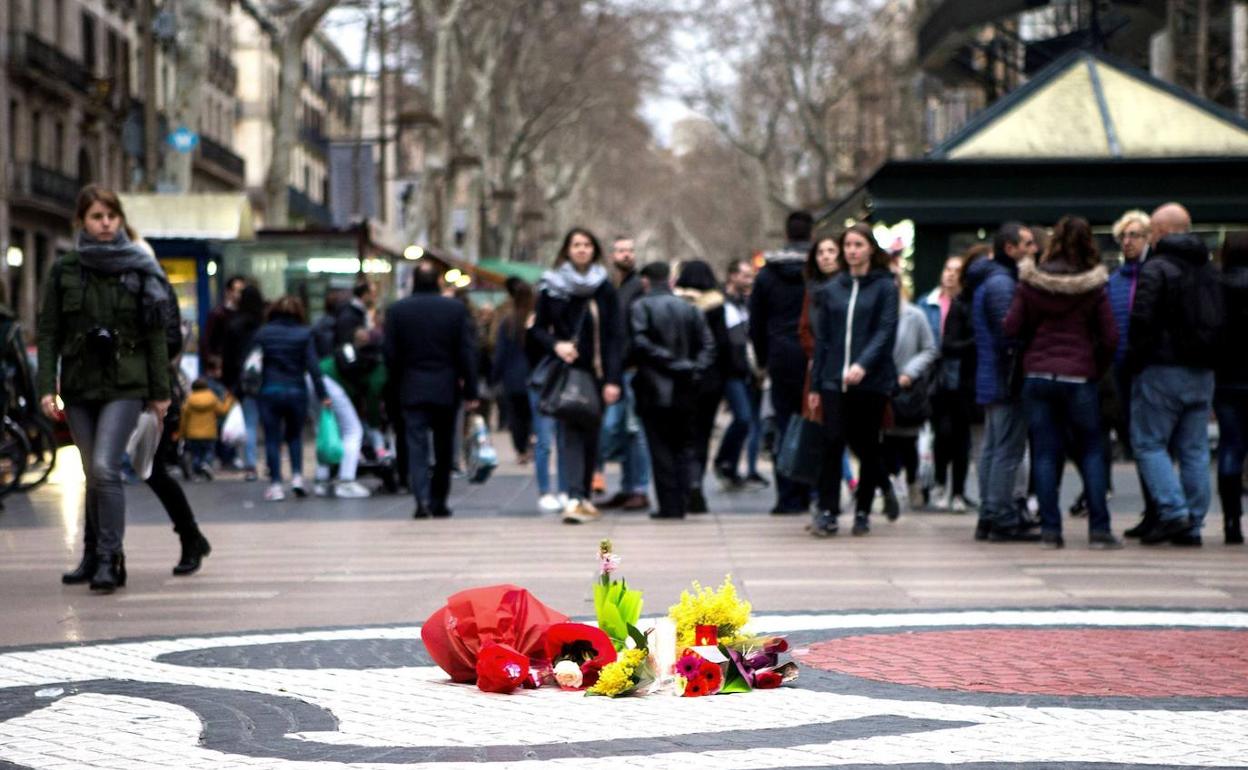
706	635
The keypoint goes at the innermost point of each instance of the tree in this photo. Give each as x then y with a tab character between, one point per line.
295	21
191	51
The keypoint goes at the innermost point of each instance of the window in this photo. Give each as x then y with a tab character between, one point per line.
88	42
36	137
58	144
14	132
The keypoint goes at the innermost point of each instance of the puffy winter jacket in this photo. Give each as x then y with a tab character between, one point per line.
990	282
1121	289
1063	318
289	354
775	309
856	321
1154	337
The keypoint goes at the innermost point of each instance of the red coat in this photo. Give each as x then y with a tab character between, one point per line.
1064	319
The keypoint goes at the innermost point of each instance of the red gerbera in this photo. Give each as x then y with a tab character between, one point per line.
767	680
711	676
695	688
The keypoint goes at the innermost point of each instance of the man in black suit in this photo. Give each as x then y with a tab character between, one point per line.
431	349
354	314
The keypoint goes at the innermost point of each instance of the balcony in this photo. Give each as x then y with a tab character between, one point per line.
31	57
303	207
43	187
222	157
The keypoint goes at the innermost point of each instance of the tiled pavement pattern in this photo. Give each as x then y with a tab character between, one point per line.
1086	661
336	699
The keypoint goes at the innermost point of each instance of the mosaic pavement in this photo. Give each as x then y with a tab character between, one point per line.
1008	688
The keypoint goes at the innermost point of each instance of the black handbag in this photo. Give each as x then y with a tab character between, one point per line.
569	392
912	406
801	451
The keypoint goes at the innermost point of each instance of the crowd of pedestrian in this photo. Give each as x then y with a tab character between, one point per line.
605	361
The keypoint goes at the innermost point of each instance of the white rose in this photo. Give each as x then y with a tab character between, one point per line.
568	674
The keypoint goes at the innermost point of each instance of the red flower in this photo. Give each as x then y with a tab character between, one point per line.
711	676
767	680
500	668
777	645
589	674
695	688
579	643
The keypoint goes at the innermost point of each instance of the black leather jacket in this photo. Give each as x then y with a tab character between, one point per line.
672	347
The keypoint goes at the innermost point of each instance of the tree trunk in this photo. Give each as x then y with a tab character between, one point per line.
1201	75
184	109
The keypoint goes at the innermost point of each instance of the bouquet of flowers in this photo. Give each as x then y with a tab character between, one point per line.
617	606
578	653
630	672
707	609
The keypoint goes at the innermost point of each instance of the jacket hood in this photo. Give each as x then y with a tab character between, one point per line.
1184	247
1059	277
981	271
702	300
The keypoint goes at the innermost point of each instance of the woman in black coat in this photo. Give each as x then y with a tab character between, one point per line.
855	324
578	321
697	285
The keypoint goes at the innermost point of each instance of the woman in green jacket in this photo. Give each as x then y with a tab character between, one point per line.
101	321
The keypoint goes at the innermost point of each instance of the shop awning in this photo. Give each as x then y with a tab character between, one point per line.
203	216
525	271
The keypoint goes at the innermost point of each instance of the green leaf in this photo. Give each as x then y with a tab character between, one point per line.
630	606
637	636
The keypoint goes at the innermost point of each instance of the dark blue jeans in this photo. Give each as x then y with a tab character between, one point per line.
1231	407
1054	411
744	415
283	410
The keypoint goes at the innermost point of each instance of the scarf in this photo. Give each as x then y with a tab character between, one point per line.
566	281
124	257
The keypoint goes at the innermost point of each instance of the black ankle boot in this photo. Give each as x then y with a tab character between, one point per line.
194	549
83	572
109	573
1146	523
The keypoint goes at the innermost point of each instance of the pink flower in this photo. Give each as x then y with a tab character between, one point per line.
688	666
610	563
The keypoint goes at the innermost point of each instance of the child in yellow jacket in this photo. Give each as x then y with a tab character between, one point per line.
200	417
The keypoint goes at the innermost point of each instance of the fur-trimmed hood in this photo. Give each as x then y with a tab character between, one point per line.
706	301
1059	278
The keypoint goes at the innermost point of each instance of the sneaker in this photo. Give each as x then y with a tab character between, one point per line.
206	472
1165	530
275	493
959	504
599	484
1052	540
861	527
549	503
1079	508
321	489
755	481
941	499
1103	541
579	512
728	478
823	524
296	486
351	490
251	475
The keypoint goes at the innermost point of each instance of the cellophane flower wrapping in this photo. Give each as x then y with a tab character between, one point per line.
456	633
500	669
618	607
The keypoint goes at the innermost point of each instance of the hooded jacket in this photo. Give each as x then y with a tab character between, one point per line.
711	304
775	309
1154	338
856	323
1232	371
990	284
200	413
1065	318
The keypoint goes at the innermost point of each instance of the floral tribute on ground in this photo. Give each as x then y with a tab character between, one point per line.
503	639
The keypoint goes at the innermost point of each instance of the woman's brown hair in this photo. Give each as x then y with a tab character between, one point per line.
1072	243
522	303
288	306
811	271
879	257
566	248
93	194
972	255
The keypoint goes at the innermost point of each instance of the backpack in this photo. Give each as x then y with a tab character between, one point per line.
1202	313
168	315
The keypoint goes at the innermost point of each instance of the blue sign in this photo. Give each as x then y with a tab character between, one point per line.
183	139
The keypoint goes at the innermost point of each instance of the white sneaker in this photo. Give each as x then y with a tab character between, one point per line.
351	490
563	499
321	489
549	503
275	493
941	499
296	486
958	504
901	491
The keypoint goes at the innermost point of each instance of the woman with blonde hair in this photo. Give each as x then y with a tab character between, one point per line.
102	323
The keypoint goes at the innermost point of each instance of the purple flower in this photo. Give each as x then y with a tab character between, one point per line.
610	563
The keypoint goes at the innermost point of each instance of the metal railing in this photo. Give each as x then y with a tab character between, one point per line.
303	207
222	156
28	52
43	184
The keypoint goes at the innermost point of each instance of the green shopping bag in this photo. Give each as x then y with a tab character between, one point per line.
328	439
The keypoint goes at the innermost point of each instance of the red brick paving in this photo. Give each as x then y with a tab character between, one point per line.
1104	662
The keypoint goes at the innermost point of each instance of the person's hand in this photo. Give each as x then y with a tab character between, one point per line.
812	403
610	394
855	374
566	351
904	381
472	405
47	405
159	408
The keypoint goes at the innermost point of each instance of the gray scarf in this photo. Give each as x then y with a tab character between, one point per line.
566	281
124	257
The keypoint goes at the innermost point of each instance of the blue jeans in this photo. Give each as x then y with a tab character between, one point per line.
622	434
1170	410
548	439
283	410
1054	411
1231	406
1005	439
744	418
251	418
101	429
